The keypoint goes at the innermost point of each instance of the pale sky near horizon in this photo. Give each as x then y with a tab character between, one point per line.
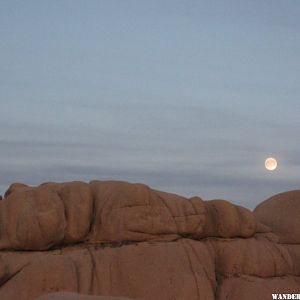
186	96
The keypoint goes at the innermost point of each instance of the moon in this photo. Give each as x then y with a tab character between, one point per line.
271	163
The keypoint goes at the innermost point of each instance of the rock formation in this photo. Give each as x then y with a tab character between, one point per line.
107	239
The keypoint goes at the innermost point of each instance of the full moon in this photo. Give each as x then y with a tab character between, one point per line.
271	163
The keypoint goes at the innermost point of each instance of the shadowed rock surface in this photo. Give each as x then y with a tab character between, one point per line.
113	238
74	296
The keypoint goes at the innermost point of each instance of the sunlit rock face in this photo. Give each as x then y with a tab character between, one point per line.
282	214
108	239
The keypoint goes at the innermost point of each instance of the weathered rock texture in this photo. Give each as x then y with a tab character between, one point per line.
112	238
75	296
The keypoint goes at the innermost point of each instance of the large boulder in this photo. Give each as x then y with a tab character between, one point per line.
255	257
157	270
282	214
30	219
53	214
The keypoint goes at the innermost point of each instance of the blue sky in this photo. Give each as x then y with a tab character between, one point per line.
187	96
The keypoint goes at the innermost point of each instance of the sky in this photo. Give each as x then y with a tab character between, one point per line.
189	97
